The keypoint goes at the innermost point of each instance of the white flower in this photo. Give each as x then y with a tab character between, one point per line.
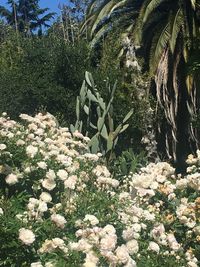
36	264
62	174
108	242
92	219
78	135
137	227
91	260
49	184
173	244
181	184
109	229
81	245
59	220
42	206
71	182
89	264
154	247
191	264
47	247
27	170
46	197
130	263
2	146
122	254
42	165
132	246
49	264
11	179
197	230
31	151
26	236
128	234
51	175
157	231
58	242
148	216
1	211
20	142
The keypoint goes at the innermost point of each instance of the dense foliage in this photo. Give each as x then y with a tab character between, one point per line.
41	72
60	206
77	188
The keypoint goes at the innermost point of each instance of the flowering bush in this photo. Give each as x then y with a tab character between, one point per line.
60	206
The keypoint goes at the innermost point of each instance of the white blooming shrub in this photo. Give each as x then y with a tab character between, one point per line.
60	206
164	214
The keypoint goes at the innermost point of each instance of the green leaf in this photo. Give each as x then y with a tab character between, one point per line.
93	126
109	143
94	144
128	116
159	46
83	92
86	109
100	123
99	111
102	103
104	132
150	8
176	26
117	131
72	128
106	11
89	79
91	96
124	128
77	108
110	123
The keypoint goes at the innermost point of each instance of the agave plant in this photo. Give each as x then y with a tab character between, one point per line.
99	118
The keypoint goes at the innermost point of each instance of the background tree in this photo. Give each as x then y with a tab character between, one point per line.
26	16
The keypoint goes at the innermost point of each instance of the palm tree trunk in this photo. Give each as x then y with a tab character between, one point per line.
15	14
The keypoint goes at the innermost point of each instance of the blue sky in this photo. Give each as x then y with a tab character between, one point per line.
51	4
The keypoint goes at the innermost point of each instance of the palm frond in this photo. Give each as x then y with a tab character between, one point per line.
177	24
92	6
4	12
106	11
158	47
150	8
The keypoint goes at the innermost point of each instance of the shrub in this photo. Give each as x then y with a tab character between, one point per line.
60	206
41	72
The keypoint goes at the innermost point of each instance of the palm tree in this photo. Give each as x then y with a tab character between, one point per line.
26	15
166	29
10	15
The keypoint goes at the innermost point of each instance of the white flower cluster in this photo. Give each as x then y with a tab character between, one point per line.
56	171
73	209
105	241
152	175
164	201
50	246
